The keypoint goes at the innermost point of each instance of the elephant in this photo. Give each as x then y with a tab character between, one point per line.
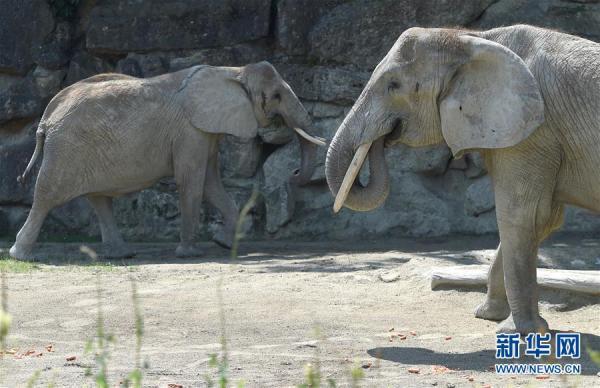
526	98
113	134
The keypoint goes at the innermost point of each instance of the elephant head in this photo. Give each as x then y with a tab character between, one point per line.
434	85
237	100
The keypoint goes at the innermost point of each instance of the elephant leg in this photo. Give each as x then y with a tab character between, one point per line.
523	225
190	165
495	307
115	247
218	197
27	236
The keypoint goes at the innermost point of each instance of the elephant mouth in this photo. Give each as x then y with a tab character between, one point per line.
393	137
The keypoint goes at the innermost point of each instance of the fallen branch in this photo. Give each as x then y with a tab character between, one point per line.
587	282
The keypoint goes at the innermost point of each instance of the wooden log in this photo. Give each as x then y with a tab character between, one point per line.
587	282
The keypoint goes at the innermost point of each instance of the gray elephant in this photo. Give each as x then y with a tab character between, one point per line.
527	98
113	134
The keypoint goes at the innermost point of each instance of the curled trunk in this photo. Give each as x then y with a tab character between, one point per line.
339	158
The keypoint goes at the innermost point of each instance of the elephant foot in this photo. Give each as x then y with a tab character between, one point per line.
21	252
523	326
224	240
493	310
188	250
117	251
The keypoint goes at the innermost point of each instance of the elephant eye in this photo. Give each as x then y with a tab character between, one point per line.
393	86
277	96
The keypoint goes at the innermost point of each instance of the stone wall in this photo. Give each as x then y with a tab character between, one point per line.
326	50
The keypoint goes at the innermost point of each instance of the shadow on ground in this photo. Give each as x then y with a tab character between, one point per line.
480	360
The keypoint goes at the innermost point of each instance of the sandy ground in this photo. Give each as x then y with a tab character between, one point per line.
285	304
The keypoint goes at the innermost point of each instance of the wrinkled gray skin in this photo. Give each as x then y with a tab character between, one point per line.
527	98
113	134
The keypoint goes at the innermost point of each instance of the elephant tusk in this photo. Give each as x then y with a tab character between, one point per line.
313	139
351	173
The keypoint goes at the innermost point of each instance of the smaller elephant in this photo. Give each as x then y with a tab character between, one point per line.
114	134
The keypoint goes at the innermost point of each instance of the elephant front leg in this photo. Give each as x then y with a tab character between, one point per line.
190	203
190	172
495	307
519	259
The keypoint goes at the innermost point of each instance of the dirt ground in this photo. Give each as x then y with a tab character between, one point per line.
286	304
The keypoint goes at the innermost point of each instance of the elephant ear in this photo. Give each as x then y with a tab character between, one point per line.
492	101
214	101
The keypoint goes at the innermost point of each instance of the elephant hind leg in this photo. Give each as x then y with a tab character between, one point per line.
495	307
114	245
218	197
27	236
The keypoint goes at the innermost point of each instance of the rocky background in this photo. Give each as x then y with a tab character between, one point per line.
326	50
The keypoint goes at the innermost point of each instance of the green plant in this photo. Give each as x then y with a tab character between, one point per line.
5	317
135	377
222	363
16	266
100	345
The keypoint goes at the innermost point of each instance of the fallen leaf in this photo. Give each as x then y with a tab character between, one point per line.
448	338
414	370
542	377
71	358
440	369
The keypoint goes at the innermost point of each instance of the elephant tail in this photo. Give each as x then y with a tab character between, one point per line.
40	136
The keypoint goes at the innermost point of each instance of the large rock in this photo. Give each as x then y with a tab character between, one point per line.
129	25
577	17
142	65
236	55
55	51
480	197
14	158
25	98
24	27
149	215
239	157
432	160
341	85
84	65
295	18
21	101
375	26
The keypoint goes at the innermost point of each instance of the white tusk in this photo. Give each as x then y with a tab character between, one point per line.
313	139
351	173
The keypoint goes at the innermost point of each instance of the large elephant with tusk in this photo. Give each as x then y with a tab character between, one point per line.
113	134
527	98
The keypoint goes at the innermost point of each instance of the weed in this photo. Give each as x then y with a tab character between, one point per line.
8	265
100	346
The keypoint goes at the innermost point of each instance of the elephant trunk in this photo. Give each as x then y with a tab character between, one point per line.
343	163
296	117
